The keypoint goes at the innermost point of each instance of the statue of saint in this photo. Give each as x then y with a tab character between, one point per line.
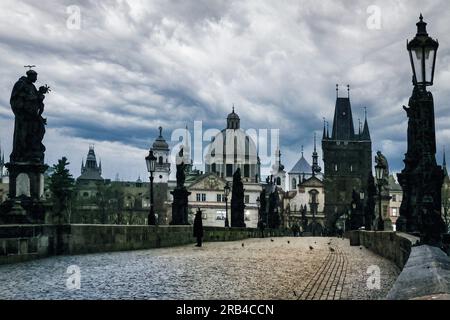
381	160
27	104
181	175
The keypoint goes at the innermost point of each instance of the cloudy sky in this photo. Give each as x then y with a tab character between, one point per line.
135	65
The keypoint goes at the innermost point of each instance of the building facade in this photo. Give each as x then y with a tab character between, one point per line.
396	194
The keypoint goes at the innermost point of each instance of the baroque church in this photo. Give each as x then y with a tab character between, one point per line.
347	156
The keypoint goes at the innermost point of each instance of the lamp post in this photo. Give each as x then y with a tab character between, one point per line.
227	193
379	174
363	213
258	205
422	53
151	167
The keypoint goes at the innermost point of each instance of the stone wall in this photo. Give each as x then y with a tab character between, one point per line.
426	276
22	243
390	245
425	270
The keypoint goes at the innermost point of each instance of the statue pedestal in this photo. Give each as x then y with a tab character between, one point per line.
180	215
26	190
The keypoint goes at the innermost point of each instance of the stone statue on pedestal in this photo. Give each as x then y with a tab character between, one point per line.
26	167
180	194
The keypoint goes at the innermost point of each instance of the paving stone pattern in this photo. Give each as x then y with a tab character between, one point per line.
254	269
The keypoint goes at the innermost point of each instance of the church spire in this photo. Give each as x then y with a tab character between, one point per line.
324	137
315	167
343	128
366	133
444	164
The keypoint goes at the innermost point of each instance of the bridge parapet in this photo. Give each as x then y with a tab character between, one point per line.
425	270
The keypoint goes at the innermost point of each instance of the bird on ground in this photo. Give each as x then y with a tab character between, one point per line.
271	240
289	242
331	249
311	248
243	245
329	243
360	248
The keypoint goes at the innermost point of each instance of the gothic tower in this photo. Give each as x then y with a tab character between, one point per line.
347	157
278	172
161	151
90	170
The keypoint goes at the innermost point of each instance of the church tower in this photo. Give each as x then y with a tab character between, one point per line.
278	172
90	170
161	151
348	160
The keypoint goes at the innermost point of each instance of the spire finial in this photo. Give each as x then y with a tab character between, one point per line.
337	90
444	163
160	131
328	129
348	90
365	113
233	107
315	142
302	151
421	17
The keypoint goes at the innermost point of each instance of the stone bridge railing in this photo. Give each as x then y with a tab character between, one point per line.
425	270
27	242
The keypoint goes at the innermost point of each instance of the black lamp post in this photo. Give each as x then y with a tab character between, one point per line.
422	53
258	204
227	190
151	167
379	174
361	196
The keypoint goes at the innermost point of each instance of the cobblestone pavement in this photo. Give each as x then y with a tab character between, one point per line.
279	268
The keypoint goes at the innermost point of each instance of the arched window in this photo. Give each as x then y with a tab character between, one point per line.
161	160
278	181
213	168
294	184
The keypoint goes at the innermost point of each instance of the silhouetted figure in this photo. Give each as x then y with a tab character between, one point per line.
27	103
198	227
261	227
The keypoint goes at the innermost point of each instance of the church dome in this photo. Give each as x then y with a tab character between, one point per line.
233	121
231	149
160	143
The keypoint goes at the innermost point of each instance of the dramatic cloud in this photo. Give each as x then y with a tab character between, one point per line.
136	65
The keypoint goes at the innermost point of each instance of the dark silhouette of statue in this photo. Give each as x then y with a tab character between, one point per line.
181	175
237	202
198	227
26	168
180	195
381	160
262	218
370	204
303	211
27	104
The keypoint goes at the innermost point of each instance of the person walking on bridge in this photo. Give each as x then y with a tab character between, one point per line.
198	227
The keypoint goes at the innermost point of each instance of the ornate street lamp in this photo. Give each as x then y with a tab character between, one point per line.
227	190
422	53
379	174
151	167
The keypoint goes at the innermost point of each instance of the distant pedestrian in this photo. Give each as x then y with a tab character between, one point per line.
198	227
